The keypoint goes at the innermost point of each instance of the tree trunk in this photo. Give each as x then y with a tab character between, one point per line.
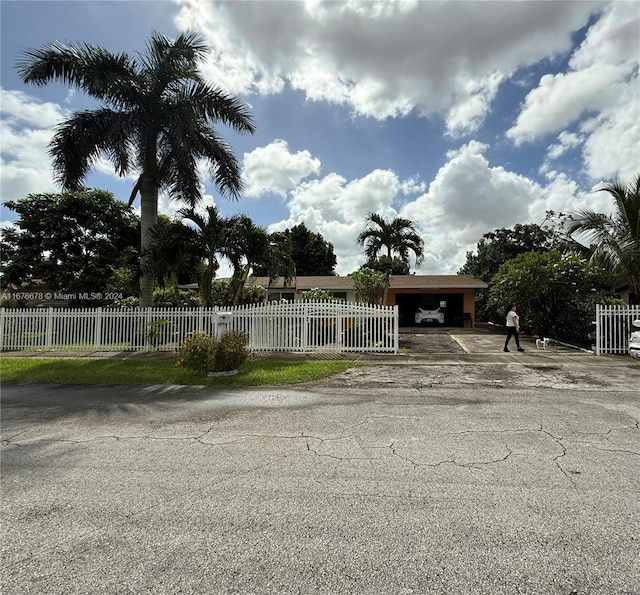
240	284
387	279
148	218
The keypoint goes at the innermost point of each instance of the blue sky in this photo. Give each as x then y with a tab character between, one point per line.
462	116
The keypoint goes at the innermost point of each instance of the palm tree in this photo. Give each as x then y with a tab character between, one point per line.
155	119
172	251
250	246
617	236
397	236
210	241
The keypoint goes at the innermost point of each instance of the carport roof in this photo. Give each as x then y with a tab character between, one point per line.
397	282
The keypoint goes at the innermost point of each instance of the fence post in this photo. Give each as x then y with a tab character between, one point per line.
147	322
1	329
49	330
97	329
396	328
598	328
339	326
306	317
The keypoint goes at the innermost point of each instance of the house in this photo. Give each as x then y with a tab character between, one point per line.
455	294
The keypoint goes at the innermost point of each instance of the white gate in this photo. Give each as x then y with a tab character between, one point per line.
613	328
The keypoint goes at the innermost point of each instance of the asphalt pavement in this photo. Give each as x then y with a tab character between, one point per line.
472	472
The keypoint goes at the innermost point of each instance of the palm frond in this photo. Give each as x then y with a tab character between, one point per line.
90	68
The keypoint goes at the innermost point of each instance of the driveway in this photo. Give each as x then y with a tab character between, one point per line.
347	486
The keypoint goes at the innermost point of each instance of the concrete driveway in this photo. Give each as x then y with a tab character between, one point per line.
431	478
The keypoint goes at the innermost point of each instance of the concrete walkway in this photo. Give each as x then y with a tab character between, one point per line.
426	346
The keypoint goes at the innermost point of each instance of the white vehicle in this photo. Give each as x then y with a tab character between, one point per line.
634	340
427	316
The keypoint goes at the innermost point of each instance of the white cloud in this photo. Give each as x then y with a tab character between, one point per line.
602	82
566	141
26	130
337	209
561	99
274	169
383	59
412	185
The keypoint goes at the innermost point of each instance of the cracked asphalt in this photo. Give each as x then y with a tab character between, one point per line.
516	476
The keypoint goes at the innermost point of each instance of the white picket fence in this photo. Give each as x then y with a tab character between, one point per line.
613	328
297	327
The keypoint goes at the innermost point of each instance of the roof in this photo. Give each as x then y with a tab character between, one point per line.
397	282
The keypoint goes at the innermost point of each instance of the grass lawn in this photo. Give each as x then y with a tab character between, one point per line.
112	371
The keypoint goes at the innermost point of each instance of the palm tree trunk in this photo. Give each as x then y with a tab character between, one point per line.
240	284
148	218
206	282
387	279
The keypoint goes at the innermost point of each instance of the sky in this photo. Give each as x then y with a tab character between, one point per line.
464	117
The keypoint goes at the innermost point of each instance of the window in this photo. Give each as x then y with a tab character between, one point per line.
277	296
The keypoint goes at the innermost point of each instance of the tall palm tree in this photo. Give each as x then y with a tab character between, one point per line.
617	236
396	236
155	119
210	241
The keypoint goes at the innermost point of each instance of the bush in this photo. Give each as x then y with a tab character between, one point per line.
232	351
168	298
197	352
203	353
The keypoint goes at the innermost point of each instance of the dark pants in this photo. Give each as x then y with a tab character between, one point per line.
512	332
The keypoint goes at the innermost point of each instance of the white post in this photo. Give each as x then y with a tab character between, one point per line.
97	329
49	329
396	329
598	328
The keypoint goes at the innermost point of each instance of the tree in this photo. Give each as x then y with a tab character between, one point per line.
501	245
309	252
398	236
497	247
617	237
247	246
72	242
370	285
155	119
222	294
555	292
171	254
398	266
210	240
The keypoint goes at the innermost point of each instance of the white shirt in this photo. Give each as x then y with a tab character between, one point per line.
512	319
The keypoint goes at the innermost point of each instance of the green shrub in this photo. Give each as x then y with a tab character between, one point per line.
159	332
203	353
231	352
169	297
197	352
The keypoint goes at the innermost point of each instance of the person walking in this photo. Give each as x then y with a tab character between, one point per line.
513	328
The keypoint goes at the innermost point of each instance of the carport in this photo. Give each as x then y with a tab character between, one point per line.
454	294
